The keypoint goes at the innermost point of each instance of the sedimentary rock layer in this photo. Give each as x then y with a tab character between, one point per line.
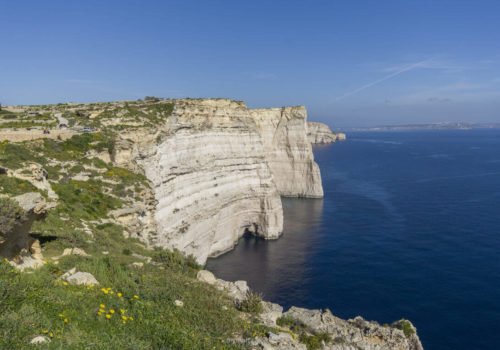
320	133
211	180
288	151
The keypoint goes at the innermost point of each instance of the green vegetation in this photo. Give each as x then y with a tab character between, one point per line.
85	200
14	186
131	309
10	213
252	304
405	326
313	340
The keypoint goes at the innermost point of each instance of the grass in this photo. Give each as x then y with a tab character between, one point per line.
37	304
14	186
85	200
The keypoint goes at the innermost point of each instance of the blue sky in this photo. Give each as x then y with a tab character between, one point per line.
350	62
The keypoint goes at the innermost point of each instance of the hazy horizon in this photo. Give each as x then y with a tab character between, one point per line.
352	64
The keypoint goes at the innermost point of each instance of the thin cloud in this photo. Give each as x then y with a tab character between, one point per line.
387	77
431	64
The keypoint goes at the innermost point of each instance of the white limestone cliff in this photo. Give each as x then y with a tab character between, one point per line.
218	169
288	151
320	133
211	180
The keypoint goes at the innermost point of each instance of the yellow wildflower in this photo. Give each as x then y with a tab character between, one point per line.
119	295
51	334
66	320
102	306
136	297
111	311
122	311
65	283
124	318
108	316
131	318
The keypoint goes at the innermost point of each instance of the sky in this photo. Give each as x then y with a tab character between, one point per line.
351	63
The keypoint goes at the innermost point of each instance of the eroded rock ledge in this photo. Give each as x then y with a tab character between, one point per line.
298	325
320	133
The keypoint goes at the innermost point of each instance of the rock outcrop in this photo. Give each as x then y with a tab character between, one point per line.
17	244
356	333
211	179
217	170
320	133
333	332
341	136
288	151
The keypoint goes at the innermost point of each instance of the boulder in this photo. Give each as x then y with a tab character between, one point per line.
270	313
206	276
277	341
74	251
40	339
79	278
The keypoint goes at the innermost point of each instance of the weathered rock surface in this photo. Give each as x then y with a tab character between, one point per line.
211	179
320	133
277	341
40	339
356	333
218	169
17	245
238	290
78	278
352	334
288	151
37	176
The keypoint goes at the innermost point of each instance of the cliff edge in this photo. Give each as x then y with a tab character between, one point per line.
320	133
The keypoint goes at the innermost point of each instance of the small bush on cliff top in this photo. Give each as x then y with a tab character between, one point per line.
252	304
405	326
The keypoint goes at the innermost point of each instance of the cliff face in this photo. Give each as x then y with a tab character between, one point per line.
211	179
320	133
288	151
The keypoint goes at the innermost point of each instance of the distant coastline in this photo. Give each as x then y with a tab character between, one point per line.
431	126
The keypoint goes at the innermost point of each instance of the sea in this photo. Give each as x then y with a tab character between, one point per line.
409	228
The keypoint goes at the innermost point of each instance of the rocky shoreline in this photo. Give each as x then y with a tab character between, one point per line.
331	332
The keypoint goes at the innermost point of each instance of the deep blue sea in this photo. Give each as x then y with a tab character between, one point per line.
409	228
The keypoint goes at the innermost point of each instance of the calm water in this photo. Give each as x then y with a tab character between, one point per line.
409	227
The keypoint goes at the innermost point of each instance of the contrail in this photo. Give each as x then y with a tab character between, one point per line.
387	77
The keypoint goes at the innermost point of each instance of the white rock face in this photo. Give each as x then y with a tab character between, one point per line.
318	133
288	151
341	136
211	179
